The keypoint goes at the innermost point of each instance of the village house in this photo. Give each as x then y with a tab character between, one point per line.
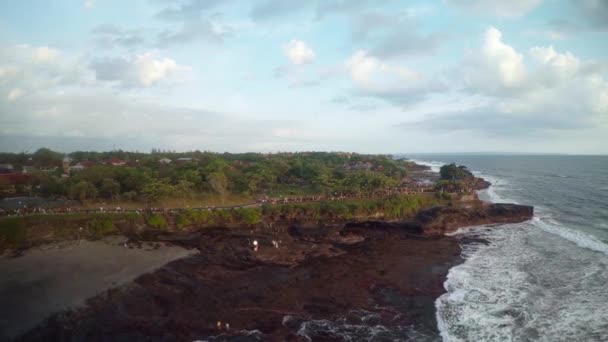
82	165
116	162
165	161
66	165
184	160
7	168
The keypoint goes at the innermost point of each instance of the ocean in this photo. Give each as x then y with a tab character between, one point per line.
541	280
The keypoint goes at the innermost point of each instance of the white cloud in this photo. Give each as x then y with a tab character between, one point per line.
14	94
496	67
150	70
45	54
298	52
563	63
503	8
371	74
549	92
25	70
88	4
398	84
141	70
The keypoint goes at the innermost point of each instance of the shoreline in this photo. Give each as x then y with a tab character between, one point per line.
57	277
389	279
287	283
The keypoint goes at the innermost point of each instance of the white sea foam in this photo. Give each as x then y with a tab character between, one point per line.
581	239
524	285
528	283
434	165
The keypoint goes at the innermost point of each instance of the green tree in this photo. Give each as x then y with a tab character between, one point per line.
109	188
45	157
83	191
157	190
219	183
454	172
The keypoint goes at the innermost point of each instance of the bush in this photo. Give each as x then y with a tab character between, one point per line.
182	220
12	232
199	217
157	221
249	215
101	226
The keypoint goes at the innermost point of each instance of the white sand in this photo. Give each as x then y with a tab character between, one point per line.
53	278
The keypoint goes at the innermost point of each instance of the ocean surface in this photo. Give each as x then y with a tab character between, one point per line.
541	280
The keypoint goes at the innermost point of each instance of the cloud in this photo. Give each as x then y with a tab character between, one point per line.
583	16
190	22
266	10
502	8
394	34
542	92
102	119
495	68
558	29
111	36
298	52
14	94
141	70
595	12
373	77
31	69
269	9
200	29
88	4
44	54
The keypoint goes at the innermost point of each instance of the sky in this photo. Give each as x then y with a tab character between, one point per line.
328	75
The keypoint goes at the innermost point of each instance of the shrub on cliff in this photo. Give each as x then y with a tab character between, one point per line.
249	215
101	226
182	220
199	217
12	232
454	172
157	221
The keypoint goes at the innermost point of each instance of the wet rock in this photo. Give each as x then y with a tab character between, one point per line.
292	323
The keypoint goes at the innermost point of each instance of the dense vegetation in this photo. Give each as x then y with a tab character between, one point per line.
145	178
25	231
453	172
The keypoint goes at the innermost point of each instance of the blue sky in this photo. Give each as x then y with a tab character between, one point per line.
277	75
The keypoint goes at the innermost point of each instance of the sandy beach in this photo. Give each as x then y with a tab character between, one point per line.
56	277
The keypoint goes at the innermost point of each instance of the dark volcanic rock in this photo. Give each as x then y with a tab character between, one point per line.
229	289
332	281
441	220
480	184
447	219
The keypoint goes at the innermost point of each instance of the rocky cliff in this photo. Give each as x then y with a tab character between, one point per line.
447	219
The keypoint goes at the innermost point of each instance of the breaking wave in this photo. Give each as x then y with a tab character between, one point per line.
534	281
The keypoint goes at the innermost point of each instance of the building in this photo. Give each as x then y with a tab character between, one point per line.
66	164
7	168
12	183
184	160
77	167
165	161
116	162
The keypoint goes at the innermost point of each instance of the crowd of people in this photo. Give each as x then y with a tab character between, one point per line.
409	189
